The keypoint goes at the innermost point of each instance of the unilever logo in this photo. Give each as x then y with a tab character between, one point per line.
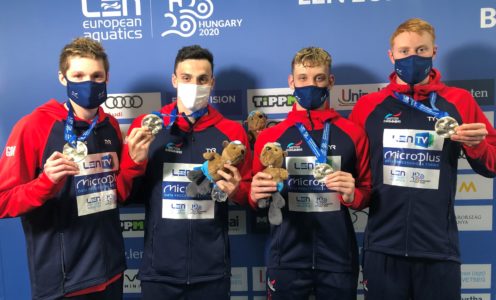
187	17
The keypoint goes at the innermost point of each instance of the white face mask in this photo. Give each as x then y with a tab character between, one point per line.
193	97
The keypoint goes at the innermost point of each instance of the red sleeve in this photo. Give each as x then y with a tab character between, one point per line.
481	157
22	188
234	131
363	180
128	169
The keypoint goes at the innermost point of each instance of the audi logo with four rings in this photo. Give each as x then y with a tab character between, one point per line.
124	101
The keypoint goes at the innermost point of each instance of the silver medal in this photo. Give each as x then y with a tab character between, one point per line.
152	122
321	170
218	195
445	127
76	154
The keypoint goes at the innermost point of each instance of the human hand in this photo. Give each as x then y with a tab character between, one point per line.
262	186
138	142
470	134
230	182
58	166
343	183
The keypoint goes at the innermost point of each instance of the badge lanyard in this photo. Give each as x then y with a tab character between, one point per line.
69	135
320	154
434	111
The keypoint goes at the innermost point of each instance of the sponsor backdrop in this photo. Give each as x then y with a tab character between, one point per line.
253	42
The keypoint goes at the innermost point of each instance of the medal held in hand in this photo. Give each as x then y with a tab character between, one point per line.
320	171
76	154
446	126
218	195
322	168
75	148
153	122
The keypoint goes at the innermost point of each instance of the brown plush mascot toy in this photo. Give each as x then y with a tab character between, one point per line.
201	177
272	157
256	121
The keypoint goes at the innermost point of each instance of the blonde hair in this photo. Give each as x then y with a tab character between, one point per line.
416	25
311	57
82	47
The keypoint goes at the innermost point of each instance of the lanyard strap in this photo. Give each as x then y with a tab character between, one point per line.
173	115
434	111
69	134
320	154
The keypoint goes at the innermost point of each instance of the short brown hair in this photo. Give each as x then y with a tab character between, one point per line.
82	47
416	25
311	57
193	52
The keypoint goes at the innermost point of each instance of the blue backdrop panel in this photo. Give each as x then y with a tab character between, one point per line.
253	42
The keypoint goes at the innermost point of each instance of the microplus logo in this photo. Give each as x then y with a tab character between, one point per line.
112	19
188	17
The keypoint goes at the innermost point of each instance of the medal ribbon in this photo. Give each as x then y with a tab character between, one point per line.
69	135
173	115
320	154
419	106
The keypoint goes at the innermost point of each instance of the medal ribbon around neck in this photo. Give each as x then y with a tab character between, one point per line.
69	135
320	154
434	111
174	114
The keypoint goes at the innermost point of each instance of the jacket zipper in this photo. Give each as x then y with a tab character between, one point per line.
62	260
313	249
189	256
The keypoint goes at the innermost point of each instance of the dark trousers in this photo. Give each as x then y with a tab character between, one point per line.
112	292
387	277
217	289
292	284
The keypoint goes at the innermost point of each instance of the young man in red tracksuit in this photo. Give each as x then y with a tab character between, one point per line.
60	173
313	249
417	127
186	252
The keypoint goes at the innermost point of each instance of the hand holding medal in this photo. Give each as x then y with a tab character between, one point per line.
76	154
75	148
446	127
321	171
152	122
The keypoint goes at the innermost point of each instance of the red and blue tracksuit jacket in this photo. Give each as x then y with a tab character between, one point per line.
68	249
317	231
186	239
415	171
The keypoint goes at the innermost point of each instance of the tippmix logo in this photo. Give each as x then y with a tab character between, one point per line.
188	17
112	19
